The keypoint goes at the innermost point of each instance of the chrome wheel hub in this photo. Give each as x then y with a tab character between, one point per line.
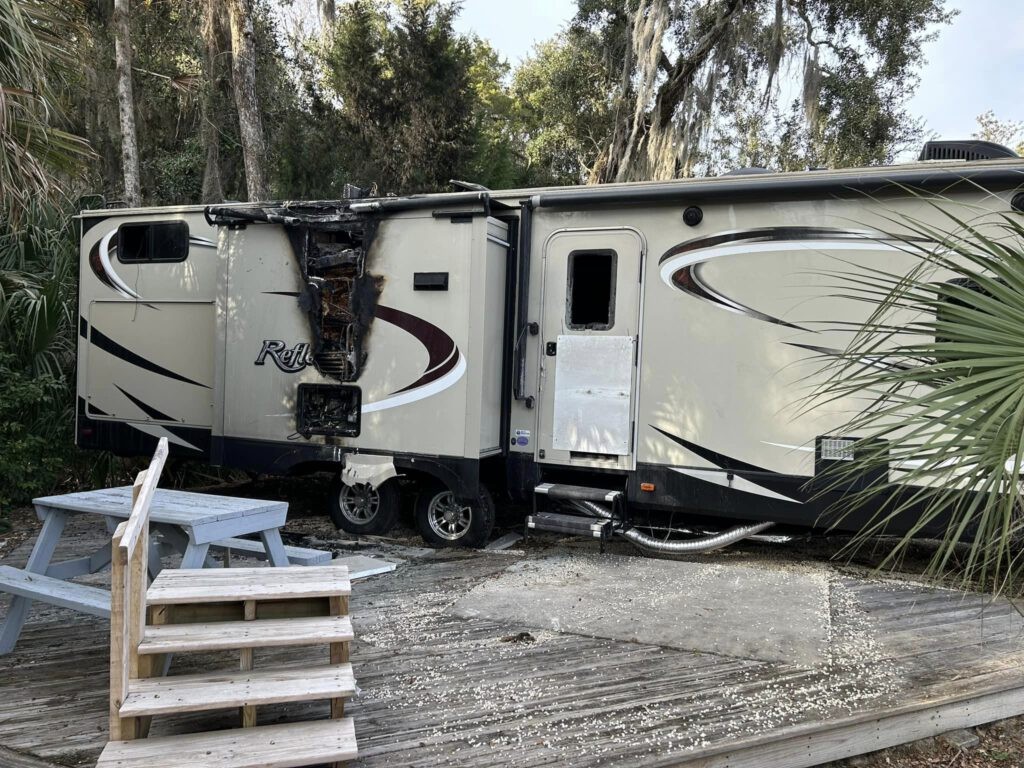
447	518
358	503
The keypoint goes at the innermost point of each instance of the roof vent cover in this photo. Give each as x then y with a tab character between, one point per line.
964	150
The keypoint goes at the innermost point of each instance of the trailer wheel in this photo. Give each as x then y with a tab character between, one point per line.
443	521
361	509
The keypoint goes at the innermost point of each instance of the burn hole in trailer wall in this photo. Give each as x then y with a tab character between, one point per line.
339	295
590	293
328	409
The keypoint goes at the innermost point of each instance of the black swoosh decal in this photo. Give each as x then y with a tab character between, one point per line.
718	459
83	327
760	475
293	294
688	280
441	348
107	344
149	410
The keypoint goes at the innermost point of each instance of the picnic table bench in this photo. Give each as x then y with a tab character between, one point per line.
191	523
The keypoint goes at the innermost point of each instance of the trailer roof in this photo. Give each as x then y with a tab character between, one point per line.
933	176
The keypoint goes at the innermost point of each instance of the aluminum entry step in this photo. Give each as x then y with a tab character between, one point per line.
577	493
576	525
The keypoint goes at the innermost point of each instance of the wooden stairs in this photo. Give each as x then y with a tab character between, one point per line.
243	609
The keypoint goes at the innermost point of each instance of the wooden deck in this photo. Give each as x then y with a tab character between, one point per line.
440	690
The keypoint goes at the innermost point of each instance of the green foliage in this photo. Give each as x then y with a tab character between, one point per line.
939	365
1009	133
34	445
176	174
563	107
698	86
38	259
405	92
495	157
37	157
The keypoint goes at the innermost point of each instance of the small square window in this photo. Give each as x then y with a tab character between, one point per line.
155	241
590	296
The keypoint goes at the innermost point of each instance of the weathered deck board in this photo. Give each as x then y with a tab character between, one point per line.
439	690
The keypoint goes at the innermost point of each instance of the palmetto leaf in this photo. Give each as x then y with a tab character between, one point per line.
36	156
939	367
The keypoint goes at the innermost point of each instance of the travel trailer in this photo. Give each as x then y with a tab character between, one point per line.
614	353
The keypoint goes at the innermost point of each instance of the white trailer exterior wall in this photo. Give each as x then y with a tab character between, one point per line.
714	328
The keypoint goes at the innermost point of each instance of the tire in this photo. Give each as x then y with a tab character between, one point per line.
443	522
364	510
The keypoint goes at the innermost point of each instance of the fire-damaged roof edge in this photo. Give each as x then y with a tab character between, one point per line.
884	181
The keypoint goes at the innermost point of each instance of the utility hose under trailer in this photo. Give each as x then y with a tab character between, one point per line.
652	545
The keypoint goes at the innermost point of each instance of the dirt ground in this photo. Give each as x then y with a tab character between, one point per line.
999	744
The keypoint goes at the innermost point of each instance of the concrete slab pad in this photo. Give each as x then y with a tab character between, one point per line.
729	609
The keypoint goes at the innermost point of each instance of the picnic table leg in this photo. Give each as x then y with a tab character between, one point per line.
154	549
274	547
190	553
195	555
38	562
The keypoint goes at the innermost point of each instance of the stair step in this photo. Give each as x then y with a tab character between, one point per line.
198	693
576	525
231	635
176	586
267	746
66	594
577	493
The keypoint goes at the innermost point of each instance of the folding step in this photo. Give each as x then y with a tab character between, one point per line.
198	693
230	635
175	586
66	594
267	746
576	525
577	493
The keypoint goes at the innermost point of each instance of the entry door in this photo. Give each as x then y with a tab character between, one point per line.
588	351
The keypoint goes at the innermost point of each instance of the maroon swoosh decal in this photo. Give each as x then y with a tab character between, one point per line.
688	280
443	354
97	266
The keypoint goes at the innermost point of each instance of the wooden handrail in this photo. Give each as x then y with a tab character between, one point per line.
142	497
129	581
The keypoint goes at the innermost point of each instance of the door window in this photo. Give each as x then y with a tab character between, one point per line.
590	294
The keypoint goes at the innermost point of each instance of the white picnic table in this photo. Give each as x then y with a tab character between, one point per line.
190	523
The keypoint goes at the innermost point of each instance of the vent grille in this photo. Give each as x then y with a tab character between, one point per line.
964	150
837	449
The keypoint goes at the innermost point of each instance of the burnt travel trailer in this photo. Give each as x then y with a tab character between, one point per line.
613	353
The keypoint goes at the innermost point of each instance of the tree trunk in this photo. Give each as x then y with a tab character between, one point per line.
243	75
213	187
645	143
327	11
126	102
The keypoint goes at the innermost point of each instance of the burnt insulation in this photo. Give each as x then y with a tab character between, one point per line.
338	296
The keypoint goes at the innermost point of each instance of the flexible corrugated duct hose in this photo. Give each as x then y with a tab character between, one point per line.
680	547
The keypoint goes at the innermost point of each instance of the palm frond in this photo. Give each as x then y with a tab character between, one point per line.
37	157
938	366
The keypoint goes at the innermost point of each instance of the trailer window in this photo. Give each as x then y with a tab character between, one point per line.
590	295
154	241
